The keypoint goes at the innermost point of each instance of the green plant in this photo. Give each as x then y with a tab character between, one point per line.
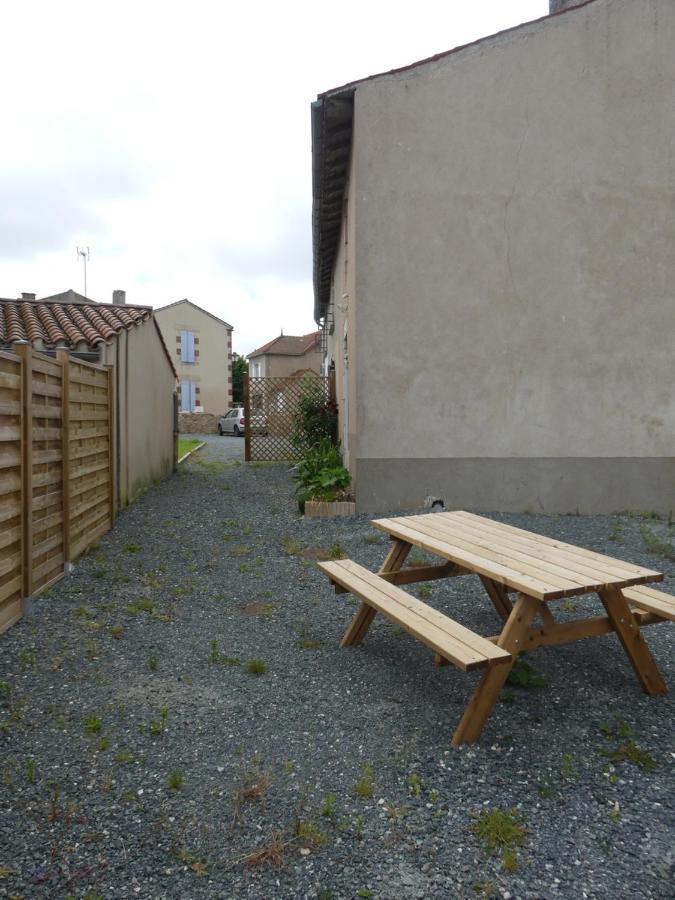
423	590
510	860
153	662
415	784
655	545
158	726
309	835
364	892
523	675
216	658
320	474
316	417
630	752
30	769
141	605
566	768
337	551
329	804
507	696
103	744
616	531
256	667
175	780
365	786
132	547
499	829
92	724
123	757
117	631
271	853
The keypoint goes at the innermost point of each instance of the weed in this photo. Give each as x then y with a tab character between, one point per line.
364	892
99	573
309	835
158	726
615	814
415	785
486	888
123	757
499	829
358	826
151	578
305	641
103	744
92	724
423	590
372	539
27	659
117	631
30	770
523	675
81	611
619	728
545	789
616	531
291	546
216	658
568	606
153	662
507	696
271	853
395	812
416	559
328	807
337	551
630	752
566	768
510	860
241	550
256	667
131	547
655	545
365	786
175	780
141	605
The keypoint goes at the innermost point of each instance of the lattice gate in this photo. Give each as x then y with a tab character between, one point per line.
271	411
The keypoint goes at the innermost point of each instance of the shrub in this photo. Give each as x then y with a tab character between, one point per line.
320	474
317	417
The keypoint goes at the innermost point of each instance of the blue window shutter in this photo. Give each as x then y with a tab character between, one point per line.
185	395
193	395
191	347
183	345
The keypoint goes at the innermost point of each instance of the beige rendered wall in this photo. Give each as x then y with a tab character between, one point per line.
341	343
144	385
279	366
516	264
212	370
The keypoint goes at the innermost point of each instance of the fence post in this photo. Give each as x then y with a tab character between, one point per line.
63	358
247	417
25	351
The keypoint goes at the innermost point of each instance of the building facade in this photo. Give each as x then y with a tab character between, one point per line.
201	347
286	355
494	267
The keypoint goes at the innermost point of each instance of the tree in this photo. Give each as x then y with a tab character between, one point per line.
239	372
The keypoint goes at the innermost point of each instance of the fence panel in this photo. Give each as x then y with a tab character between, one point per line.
272	406
56	469
89	420
11	485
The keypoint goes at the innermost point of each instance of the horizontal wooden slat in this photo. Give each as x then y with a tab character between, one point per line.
47	456
9	460
615	564
534	587
10	408
47	570
44	389
46	434
653	601
83	452
10	563
447	637
88	397
9	483
85	434
46	499
42	479
10	587
79	545
10	380
9	536
79	486
10	508
103	498
45	412
88	470
47	522
46	366
86	415
10	432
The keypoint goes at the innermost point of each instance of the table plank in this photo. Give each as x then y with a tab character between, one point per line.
534	587
630	569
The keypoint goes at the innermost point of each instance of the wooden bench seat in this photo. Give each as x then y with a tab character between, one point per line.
657	602
452	641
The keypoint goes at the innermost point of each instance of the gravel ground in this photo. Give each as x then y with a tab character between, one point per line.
141	758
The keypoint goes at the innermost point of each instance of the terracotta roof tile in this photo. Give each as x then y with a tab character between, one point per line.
57	323
289	345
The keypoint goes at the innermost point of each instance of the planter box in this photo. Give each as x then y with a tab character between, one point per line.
318	509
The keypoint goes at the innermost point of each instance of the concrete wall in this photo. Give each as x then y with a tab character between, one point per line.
515	245
212	369
144	388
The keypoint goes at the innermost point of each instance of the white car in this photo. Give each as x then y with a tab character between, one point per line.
234	422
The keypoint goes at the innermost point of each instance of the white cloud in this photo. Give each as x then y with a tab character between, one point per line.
174	140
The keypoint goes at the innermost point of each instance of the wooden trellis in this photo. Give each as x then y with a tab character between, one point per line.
271	410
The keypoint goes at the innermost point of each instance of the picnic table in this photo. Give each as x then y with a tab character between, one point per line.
509	561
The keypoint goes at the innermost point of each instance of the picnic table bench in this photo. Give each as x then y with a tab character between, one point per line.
508	560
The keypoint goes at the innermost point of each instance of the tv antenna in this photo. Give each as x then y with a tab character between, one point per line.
84	253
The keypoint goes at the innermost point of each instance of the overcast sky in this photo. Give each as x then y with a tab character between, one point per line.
173	139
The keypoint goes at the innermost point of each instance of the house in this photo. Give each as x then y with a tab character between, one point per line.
125	337
287	355
494	268
201	347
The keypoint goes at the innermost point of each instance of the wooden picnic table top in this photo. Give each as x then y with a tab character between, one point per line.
541	567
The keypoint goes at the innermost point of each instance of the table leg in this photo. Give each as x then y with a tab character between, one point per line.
628	632
513	639
499	596
360	624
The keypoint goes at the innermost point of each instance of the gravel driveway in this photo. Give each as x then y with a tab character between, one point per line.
177	720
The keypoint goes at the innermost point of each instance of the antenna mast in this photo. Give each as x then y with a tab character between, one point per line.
84	253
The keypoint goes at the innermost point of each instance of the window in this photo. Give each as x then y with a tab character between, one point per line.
187	346
188	395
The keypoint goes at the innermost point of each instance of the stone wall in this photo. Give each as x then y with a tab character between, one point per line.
197	423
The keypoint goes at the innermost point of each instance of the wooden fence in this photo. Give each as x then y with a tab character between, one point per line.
56	469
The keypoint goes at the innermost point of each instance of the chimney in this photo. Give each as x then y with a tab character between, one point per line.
555	6
119	298
25	296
